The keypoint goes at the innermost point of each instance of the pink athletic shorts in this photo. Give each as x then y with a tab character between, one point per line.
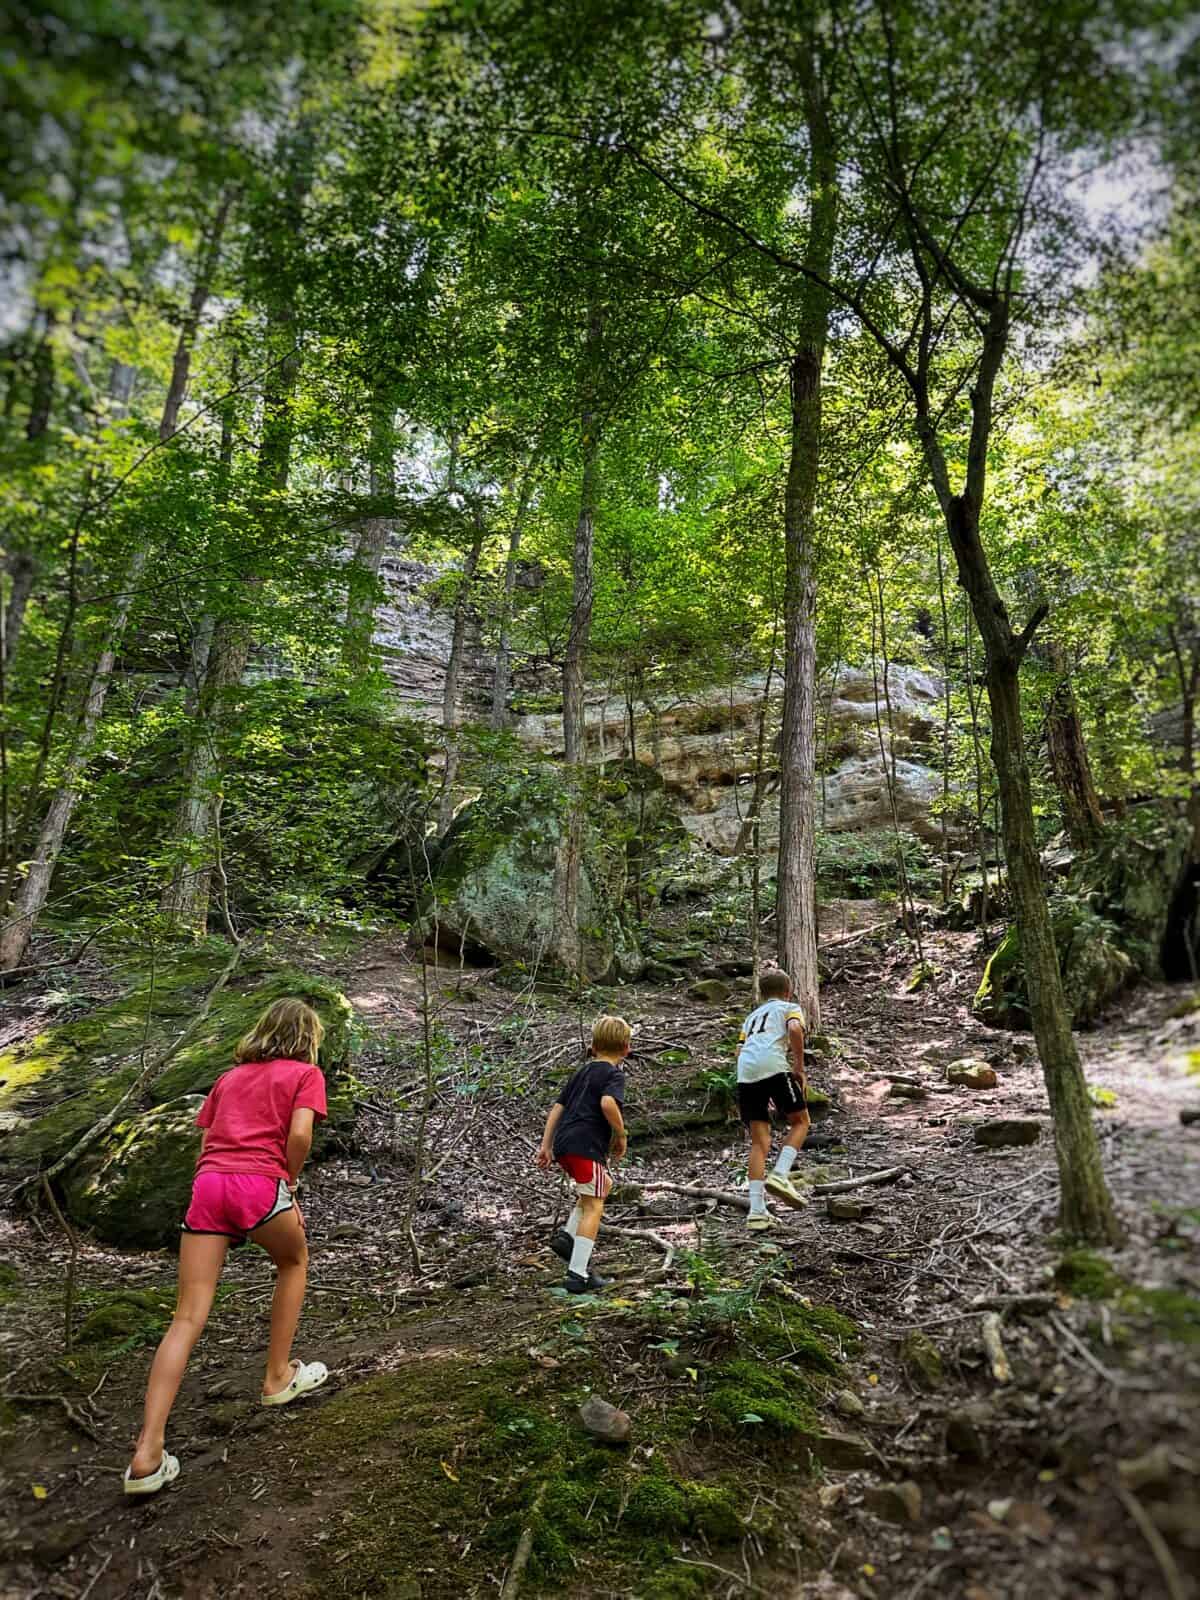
235	1203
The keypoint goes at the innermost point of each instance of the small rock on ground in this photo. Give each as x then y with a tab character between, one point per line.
710	990
895	1502
922	1361
972	1073
605	1422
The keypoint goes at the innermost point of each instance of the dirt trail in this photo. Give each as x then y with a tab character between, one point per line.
363	1489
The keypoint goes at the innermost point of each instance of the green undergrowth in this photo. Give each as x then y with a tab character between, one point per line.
450	1458
1172	1313
68	1076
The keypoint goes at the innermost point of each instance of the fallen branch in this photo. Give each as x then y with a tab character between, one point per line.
723	1197
664	1245
1001	1370
887	1175
1033	1303
524	1547
1158	1545
1073	1338
140	1084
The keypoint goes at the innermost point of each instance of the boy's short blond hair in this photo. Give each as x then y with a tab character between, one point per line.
774	984
611	1034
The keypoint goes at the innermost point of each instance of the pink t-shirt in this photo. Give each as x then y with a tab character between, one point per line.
248	1113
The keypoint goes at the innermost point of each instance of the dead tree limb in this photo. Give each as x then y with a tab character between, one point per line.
886	1175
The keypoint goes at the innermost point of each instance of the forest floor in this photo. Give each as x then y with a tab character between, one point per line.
850	1462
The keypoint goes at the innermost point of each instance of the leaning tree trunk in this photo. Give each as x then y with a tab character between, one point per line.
185	897
569	860
30	901
796	893
1086	1207
1069	757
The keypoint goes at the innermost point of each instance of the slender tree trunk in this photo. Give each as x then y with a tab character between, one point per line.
1086	1207
20	566
945	818
1069	756
185	898
30	901
503	674
796	903
373	538
569	863
462	607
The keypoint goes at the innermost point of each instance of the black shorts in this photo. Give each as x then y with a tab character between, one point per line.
784	1091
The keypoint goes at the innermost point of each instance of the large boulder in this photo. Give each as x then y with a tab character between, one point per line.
1094	971
58	1084
493	880
132	1187
1143	877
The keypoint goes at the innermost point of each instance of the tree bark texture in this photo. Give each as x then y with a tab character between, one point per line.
1086	1207
1069	757
796	894
570	856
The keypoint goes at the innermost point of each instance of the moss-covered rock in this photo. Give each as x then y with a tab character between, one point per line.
493	876
1094	971
132	1186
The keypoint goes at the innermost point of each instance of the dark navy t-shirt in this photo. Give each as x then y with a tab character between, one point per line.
583	1128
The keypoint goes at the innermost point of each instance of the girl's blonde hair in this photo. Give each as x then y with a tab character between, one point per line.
611	1034
288	1030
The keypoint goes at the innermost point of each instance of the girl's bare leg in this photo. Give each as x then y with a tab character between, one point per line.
201	1257
283	1239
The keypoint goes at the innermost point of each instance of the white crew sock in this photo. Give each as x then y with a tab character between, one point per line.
758	1196
580	1256
572	1223
786	1156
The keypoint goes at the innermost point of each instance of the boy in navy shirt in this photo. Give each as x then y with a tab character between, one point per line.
584	1128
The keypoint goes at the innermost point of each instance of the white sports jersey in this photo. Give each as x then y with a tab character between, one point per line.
762	1048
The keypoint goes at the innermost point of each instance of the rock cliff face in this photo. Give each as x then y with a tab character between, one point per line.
701	745
703	749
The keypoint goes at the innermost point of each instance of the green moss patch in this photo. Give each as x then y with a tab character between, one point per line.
455	1457
64	1080
1173	1313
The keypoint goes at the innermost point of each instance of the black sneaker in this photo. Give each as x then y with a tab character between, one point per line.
562	1244
574	1284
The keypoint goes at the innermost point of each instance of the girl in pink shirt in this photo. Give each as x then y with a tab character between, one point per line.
258	1126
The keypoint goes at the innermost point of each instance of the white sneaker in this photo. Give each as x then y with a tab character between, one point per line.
786	1190
758	1220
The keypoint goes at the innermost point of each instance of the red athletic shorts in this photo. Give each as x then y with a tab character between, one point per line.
589	1177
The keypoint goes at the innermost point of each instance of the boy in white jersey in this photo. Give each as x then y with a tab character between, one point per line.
770	1074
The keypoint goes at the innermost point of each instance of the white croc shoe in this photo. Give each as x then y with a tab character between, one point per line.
308	1375
168	1471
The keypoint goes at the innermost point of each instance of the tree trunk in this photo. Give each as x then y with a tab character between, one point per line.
1069	757
185	898
30	901
570	855
372	541
503	674
1086	1210
20	566
462	606
796	895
